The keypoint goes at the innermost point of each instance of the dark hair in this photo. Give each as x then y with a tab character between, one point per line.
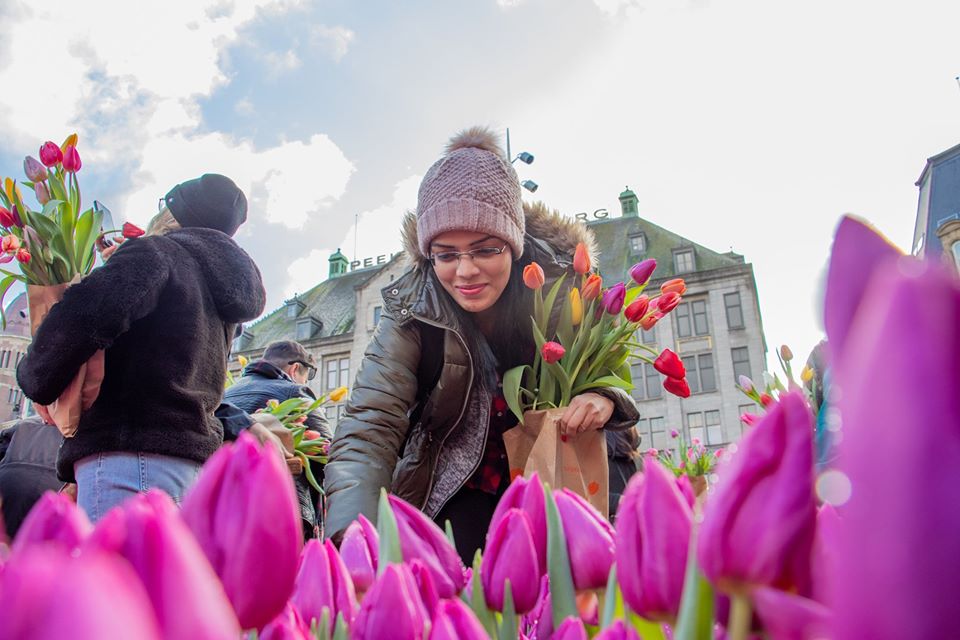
282	352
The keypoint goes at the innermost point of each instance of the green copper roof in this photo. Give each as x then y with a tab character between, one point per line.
627	193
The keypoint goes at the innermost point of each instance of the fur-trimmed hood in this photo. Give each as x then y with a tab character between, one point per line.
542	223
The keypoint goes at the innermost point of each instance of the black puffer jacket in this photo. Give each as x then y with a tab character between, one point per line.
164	310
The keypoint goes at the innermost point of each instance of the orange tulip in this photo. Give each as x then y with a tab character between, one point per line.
591	288
581	259
677	284
533	276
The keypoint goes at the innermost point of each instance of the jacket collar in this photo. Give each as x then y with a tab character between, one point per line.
266	370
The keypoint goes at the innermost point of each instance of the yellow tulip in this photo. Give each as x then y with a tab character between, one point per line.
10	187
576	306
71	141
338	394
243	361
807	374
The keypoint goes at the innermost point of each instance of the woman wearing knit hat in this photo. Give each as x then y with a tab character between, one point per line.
163	309
426	415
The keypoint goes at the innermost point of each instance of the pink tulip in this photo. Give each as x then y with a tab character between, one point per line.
787	616
455	621
42	192
589	540
391	608
286	626
50	154
359	552
618	630
71	160
148	532
49	593
244	512
526	495
422	539
570	629
825	548
511	555
685	486
653	535
768	487
323	583
642	271
54	519
35	171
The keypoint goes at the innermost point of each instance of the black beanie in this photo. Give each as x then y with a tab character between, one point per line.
212	201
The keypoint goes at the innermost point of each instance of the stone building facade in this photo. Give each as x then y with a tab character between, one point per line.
14	340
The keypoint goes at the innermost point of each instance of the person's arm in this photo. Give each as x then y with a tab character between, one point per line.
364	451
91	315
234	420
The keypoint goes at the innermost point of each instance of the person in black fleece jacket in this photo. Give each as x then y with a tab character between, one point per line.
164	310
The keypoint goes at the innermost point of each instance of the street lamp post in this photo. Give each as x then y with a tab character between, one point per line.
524	157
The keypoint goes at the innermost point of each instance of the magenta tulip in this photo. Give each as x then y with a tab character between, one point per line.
654	520
824	560
526	495
612	300
359	552
570	629
323	583
391	608
148	532
897	552
511	555
642	271
287	626
686	489
455	621
54	519
49	593
589	540
423	580
71	160
6	218
767	487
618	630
787	616
244	513
35	171
50	154
422	539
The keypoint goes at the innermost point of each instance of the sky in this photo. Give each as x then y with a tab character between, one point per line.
750	125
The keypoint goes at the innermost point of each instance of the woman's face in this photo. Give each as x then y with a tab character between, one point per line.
474	281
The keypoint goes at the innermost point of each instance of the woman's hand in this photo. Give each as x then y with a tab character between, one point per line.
586	411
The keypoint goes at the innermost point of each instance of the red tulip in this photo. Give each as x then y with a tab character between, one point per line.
589	540
552	352
637	309
148	532
667	302
591	288
132	230
71	160
455	621
23	255
526	495
243	511
511	555
651	320
669	364
34	170
50	154
677	285
533	276
677	386
53	519
391	609
10	244
581	259
6	218
323	583
422	539
359	552
766	399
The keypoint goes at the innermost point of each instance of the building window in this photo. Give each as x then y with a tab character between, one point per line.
5	359
731	301
692	319
10	395
334	412
638	243
695	428
646	381
956	253
683	261
648	337
19	357
711	420
701	375
705	427
338	373
377	310
741	362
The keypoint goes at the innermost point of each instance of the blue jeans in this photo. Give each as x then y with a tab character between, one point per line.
104	480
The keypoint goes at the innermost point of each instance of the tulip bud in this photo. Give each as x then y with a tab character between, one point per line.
653	453
132	231
613	298
528	496
286	626
533	276
511	555
50	154
650	321
677	386
392	608
242	361
642	271
749	419
455	621
806	374
42	193
581	259
10	243
570	629
552	352
618	630
34	170
323	583
359	552
576	307
745	383
422	539
674	433
667	302
637	309
766	399
6	218
786	353
23	256
788	615
71	141
71	160
677	285
17	221
53	519
592	287
338	394
669	364
589	536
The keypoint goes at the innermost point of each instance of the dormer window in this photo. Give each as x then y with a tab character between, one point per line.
295	307
308	328
683	261
638	243
243	341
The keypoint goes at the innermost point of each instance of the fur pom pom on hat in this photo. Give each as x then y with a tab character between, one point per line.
472	188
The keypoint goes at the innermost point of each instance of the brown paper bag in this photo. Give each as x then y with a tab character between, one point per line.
578	463
85	387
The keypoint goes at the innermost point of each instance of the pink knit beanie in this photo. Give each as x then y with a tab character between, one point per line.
472	188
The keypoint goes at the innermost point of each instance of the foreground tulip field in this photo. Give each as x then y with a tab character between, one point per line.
869	549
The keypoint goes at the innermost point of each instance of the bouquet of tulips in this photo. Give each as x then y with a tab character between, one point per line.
694	462
764	396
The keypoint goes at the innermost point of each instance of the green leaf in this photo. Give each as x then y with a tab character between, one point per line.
389	534
5	285
632	294
477	601
605	381
646	629
509	625
511	389
548	303
565	331
613	607
696	606
560	375
341	631
306	469
562	594
87	230
448	529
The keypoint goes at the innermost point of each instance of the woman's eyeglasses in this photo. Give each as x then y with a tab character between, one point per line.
449	258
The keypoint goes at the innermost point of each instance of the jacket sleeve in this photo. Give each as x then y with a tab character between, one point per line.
625	411
234	420
364	452
91	315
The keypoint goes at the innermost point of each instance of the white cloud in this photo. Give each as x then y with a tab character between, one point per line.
244	107
278	63
307	271
335	40
508	4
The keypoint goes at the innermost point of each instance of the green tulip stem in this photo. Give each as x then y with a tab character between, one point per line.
740	615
